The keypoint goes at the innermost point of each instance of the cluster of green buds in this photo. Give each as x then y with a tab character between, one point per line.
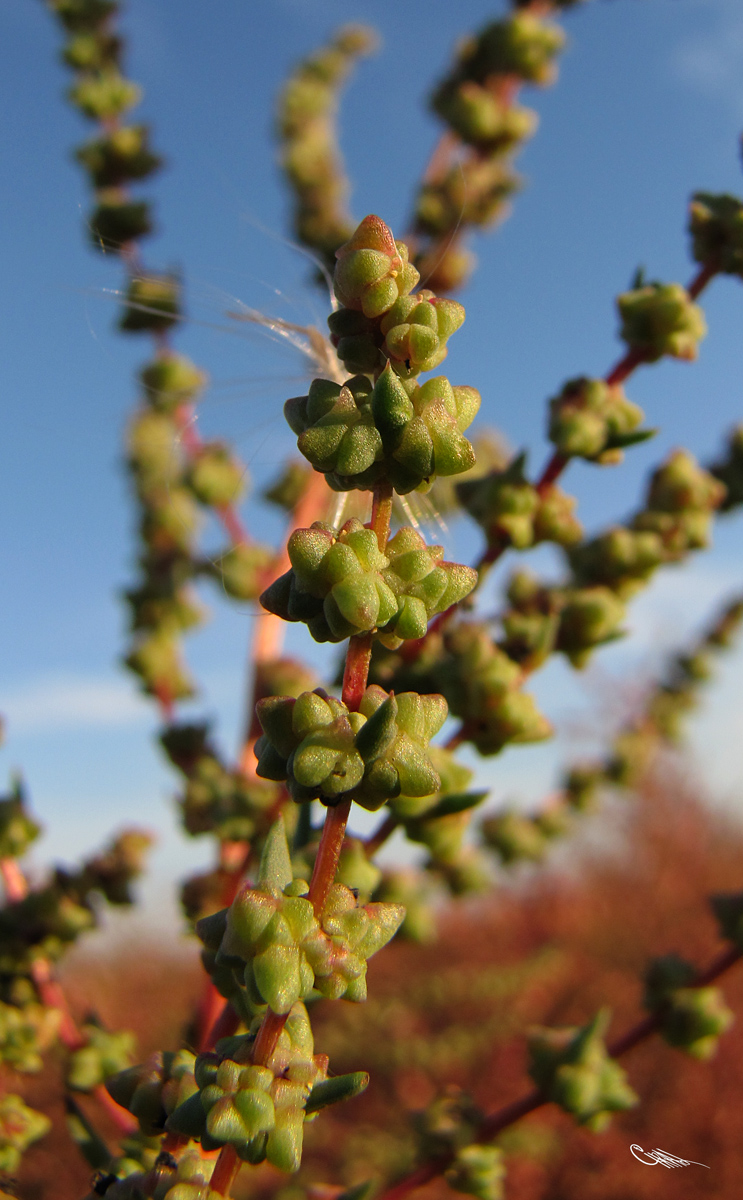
341	584
173	486
716	228
166	1178
20	1126
476	100
18	830
517	836
691	1018
121	155
48	919
362	435
594	420
174	475
261	1110
481	684
271	947
324	752
448	1126
512	512
681	500
573	1069
216	799
660	319
102	1054
27	1029
310	155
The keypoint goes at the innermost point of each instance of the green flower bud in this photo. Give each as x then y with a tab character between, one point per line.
555	520
152	304
117	221
480	118
171	381
572	1068
660	318
372	269
118	157
19	1127
290	486
102	1055
514	837
153	454
104	94
17	829
474	192
632	752
504	503
681	500
80	15
417	328
359	437
591	420
716	228
696	1019
154	1089
481	685
156	659
581	785
590	617
530	625
478	1171
26	1031
170	521
522	45
621	559
215	477
241	570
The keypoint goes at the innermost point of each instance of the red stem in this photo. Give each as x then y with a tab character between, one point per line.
16	886
227	1166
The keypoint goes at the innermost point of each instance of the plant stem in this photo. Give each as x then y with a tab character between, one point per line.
16	887
331	841
494	1124
268	1035
227	1166
328	853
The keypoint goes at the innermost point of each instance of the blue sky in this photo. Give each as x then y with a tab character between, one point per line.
648	108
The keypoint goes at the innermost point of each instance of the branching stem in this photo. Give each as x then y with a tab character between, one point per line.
494	1124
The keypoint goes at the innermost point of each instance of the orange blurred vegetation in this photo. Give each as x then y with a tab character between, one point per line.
550	946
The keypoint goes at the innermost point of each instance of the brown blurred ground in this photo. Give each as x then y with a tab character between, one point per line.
552	947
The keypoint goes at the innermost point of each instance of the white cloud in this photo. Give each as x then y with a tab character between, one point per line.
71	701
713	62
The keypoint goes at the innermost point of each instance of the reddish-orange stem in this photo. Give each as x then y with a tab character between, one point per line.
268	1035
328	853
227	1166
121	1117
16	885
226	1023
